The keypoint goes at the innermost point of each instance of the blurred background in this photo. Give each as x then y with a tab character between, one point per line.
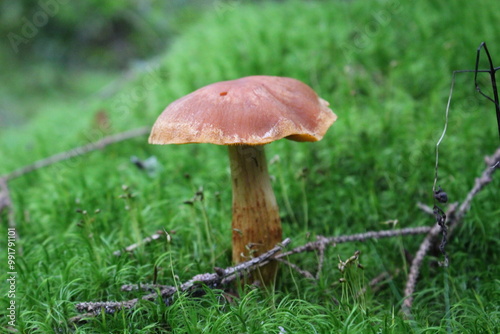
48	44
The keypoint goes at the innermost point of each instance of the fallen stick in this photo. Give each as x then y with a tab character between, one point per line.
455	215
318	245
221	277
98	145
424	248
6	204
155	236
324	241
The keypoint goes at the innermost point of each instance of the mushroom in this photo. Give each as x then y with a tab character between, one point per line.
245	114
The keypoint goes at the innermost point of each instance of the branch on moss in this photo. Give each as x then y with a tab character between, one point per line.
220	278
322	241
295	267
455	215
6	203
223	277
425	208
98	145
492	163
425	246
155	236
319	245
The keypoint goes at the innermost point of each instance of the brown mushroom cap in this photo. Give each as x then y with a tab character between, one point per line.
254	110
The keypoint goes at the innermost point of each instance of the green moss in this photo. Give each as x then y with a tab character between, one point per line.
386	69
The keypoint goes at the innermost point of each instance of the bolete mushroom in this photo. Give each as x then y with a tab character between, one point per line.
245	114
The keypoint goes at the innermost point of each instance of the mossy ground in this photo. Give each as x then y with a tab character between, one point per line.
386	70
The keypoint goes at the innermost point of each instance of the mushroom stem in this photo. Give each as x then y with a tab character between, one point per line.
256	222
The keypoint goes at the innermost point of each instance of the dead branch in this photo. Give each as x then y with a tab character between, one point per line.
155	236
98	145
6	203
426	244
492	164
321	260
221	277
5	199
143	287
324	241
295	267
318	246
425	208
454	218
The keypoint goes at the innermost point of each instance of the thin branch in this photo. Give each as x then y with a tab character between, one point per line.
98	145
155	236
321	259
377	281
424	248
6	203
455	214
425	208
221	277
383	277
143	287
295	267
323	241
485	178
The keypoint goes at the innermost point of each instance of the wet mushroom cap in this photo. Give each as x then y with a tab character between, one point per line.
253	110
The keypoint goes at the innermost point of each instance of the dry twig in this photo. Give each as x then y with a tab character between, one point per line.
5	200
324	241
295	267
426	244
155	236
220	278
6	203
455	214
98	145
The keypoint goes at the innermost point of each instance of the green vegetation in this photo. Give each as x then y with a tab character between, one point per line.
386	70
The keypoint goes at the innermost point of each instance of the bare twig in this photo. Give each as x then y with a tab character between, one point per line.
143	287
4	195
155	236
295	267
479	184
324	241
77	152
425	208
321	259
6	203
428	242
221	277
455	214
385	276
